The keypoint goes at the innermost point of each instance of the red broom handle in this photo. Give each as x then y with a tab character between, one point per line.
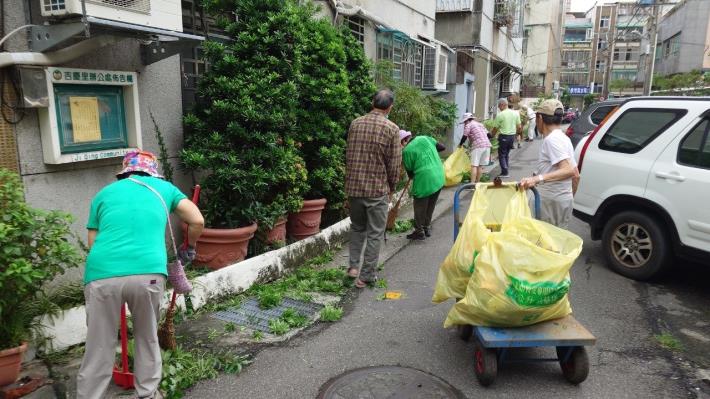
124	339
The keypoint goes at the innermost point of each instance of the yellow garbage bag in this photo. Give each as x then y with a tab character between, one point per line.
490	209
455	166
521	277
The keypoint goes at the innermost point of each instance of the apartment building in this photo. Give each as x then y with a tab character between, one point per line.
542	42
489	36
601	51
683	43
396	31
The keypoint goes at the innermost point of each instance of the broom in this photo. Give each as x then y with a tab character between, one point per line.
166	332
392	215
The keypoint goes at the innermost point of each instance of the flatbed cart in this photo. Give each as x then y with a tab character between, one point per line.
493	344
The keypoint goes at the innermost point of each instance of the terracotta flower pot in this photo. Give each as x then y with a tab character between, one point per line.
278	232
217	248
306	222
10	364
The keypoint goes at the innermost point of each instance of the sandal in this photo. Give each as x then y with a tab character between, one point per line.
353	272
360	284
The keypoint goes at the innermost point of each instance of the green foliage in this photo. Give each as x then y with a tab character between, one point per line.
401	226
381	283
414	110
330	313
184	368
565	97
278	326
269	297
693	80
257	335
668	341
620	84
590	99
240	135
33	251
163	156
540	98
68	295
293	318
230	327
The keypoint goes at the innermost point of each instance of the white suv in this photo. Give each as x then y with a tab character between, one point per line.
645	184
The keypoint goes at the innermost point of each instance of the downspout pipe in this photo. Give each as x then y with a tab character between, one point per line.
57	57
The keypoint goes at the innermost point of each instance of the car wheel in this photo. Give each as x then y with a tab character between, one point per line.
635	246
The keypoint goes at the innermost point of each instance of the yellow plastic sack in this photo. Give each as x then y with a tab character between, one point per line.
455	166
491	208
521	277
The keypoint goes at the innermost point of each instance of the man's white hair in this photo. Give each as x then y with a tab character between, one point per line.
502	101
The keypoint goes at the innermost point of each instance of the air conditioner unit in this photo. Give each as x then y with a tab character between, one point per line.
161	14
555	85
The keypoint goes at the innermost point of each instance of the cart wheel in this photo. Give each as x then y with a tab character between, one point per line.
486	365
576	368
465	331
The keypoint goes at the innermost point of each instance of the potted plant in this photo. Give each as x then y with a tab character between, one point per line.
34	251
238	137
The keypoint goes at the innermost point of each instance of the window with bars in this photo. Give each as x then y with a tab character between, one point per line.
429	66
357	27
196	21
410	58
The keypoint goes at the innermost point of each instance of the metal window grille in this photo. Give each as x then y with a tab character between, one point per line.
418	64
454	5
429	68
133	5
441	78
54	5
357	27
8	144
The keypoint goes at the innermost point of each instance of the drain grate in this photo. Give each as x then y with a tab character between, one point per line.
250	315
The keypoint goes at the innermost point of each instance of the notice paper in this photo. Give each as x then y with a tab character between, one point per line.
85	118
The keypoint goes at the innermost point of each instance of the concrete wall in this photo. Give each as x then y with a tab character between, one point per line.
413	17
70	187
458	28
692	20
543	54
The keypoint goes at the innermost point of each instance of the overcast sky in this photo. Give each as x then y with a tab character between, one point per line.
584	5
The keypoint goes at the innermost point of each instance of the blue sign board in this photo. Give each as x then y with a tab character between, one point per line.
578	90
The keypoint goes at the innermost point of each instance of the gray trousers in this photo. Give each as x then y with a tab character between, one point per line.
104	299
368	219
555	211
424	210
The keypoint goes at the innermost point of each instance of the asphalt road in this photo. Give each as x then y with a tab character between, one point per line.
625	316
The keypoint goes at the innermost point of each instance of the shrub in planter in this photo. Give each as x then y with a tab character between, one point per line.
238	137
33	251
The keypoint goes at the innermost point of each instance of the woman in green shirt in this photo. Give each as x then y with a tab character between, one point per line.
127	264
423	165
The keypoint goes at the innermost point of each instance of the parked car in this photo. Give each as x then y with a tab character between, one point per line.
570	116
645	184
590	118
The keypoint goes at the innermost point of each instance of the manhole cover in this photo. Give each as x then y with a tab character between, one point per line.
388	382
252	316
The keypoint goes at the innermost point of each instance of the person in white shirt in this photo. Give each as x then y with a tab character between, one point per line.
557	175
531	124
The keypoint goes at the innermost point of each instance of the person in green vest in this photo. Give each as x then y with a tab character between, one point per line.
423	165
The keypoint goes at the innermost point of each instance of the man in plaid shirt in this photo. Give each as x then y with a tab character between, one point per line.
480	145
373	159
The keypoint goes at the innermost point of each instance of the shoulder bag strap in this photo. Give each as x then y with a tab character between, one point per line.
165	207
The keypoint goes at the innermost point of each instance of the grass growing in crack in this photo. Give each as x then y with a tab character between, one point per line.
278	326
269	297
668	341
401	226
293	318
230	327
212	334
381	283
331	313
257	335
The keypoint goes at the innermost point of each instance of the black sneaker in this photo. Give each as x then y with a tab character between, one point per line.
504	175
416	235
427	232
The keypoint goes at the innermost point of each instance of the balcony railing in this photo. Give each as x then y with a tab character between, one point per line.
504	12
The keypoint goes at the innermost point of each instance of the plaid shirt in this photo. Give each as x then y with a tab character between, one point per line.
477	133
373	157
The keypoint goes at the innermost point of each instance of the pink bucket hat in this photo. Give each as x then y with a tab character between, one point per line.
140	161
403	134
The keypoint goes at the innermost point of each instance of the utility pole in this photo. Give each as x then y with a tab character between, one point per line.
651	56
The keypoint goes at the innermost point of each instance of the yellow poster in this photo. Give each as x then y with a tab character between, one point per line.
85	118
